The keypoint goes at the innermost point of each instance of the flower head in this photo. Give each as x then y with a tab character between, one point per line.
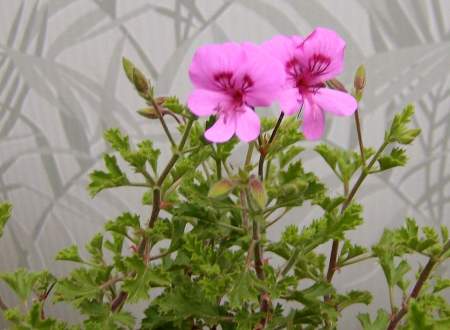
230	80
308	64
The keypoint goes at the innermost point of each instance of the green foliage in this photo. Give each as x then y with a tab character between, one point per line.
145	153
397	157
399	131
343	163
145	277
32	320
202	254
113	177
5	213
69	253
380	323
25	283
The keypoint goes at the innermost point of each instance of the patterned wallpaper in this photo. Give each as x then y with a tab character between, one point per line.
61	85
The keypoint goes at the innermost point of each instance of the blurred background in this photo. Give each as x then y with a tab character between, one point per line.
61	85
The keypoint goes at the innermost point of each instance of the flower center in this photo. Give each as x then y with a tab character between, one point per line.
236	88
302	76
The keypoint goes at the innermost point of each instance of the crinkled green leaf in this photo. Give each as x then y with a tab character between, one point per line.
397	157
400	131
101	180
69	253
380	323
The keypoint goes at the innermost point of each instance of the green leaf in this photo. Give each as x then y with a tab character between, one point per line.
350	251
441	284
380	323
83	285
417	318
322	230
136	158
146	277
399	131
149	153
69	253
94	247
5	214
173	104
21	282
243	290
353	297
101	180
397	157
328	154
187	300
122	223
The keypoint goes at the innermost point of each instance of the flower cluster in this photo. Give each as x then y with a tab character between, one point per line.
231	79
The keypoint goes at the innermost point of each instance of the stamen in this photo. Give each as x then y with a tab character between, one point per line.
318	64
224	80
247	82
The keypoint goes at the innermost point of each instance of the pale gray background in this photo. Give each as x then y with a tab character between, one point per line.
61	85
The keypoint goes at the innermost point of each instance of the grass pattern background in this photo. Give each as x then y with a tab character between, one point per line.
61	85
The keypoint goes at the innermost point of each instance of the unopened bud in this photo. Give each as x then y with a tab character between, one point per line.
359	82
336	84
140	82
360	78
149	113
257	191
221	188
128	67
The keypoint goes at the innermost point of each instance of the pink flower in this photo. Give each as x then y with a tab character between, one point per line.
230	80
308	64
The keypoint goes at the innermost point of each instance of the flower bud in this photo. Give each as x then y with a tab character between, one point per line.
136	77
221	188
359	82
128	67
257	191
360	78
149	113
140	82
336	84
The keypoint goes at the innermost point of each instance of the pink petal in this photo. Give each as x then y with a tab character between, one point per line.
222	130
203	102
211	59
248	125
290	101
265	73
282	47
336	102
325	43
313	120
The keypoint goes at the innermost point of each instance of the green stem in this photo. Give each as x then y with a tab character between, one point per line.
161	119
219	169
391	299
357	185
248	156
360	140
265	149
278	218
289	264
143	249
139	184
423	277
357	259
